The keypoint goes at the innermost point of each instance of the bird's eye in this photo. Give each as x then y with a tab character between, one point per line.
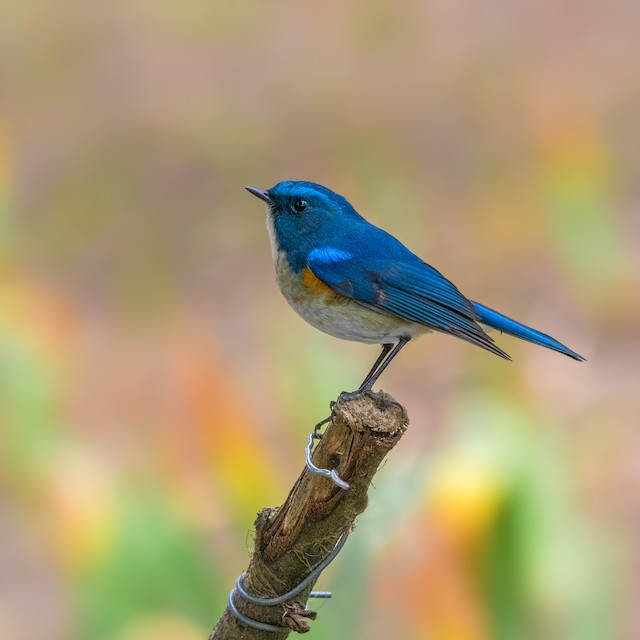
300	205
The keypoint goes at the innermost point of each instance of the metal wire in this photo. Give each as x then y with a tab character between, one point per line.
332	474
269	602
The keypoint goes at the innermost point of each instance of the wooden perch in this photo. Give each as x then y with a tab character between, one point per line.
291	539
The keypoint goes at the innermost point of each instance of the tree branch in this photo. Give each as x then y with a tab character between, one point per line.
293	538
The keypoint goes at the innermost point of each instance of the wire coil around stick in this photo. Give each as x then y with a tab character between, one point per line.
239	590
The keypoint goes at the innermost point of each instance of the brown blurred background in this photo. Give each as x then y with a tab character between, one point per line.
156	390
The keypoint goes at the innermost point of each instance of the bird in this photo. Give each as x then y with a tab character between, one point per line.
353	280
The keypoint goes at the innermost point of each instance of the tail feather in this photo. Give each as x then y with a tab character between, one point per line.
506	325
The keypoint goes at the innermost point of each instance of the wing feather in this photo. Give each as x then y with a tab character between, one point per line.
412	290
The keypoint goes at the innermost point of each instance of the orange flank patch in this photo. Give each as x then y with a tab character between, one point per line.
314	284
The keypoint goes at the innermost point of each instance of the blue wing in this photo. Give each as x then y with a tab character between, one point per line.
402	285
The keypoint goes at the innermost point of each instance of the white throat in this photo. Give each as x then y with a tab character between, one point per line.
272	234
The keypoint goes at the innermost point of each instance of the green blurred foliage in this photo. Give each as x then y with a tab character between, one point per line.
156	391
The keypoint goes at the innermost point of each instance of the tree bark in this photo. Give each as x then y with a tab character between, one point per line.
291	539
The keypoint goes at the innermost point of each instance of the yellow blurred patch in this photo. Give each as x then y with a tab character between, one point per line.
465	495
162	628
568	140
449	629
228	437
80	497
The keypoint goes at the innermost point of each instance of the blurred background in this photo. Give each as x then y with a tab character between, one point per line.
156	391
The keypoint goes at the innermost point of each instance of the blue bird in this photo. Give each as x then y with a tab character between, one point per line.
355	281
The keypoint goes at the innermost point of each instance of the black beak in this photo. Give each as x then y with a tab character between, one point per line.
259	193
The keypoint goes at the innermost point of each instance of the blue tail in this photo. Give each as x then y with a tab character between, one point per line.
507	325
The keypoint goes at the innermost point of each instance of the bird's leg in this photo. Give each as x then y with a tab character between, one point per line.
385	350
381	364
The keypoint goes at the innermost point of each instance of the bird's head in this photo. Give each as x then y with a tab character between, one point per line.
299	208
